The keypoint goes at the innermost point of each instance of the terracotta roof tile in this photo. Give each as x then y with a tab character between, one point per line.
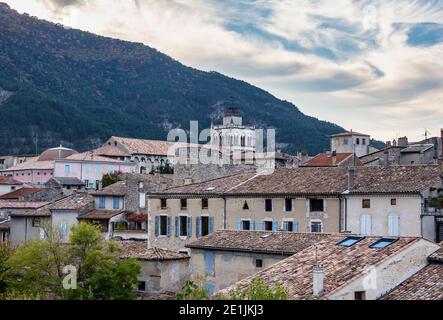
90	156
139	250
32	164
147	147
341	265
17	194
100	215
348	133
325	159
22	204
5	180
115	189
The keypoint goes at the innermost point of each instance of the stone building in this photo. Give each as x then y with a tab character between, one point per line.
346	267
351	142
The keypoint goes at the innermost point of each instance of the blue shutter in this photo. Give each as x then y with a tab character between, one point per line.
209	263
211	224
238	225
295	227
177	227
285	226
252	224
168	227
189	226
210	288
261	225
157	226
198	227
274	225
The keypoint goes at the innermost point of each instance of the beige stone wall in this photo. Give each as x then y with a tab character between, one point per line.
164	276
229	267
194	209
300	213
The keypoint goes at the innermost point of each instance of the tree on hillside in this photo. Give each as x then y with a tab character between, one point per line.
111	178
40	268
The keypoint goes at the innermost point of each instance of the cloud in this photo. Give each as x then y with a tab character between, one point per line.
354	62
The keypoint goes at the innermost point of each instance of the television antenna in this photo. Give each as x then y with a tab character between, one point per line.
426	134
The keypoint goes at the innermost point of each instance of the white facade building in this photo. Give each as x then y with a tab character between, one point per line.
351	142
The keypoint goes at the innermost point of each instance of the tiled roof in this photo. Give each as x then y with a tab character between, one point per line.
111	151
287	243
100	215
318	180
427	284
147	147
417	148
139	250
341	265
22	204
32	164
348	133
76	201
4	225
371	157
437	256
115	189
325	159
67	181
5	180
90	156
17	194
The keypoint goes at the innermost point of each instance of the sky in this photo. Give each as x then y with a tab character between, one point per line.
371	66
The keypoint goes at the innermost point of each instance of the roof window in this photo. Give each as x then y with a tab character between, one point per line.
382	243
350	241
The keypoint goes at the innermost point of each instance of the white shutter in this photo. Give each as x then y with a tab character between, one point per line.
365	224
394	228
142	197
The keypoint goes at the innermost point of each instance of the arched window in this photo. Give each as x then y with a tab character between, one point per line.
366	224
394	225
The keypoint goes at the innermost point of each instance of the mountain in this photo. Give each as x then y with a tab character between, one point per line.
60	85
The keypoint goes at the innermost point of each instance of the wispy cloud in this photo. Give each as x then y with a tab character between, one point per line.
369	65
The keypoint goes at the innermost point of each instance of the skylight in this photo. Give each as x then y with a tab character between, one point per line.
210	188
265	236
350	241
382	243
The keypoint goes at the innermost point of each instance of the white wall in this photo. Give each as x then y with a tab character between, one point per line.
7	188
408	208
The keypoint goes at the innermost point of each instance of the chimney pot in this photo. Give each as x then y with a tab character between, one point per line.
351	179
334	158
318	280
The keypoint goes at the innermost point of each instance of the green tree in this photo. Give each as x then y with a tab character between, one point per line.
193	290
6	251
111	178
35	269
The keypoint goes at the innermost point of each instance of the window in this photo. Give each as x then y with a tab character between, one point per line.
12	188
63	230
393	202
142	200
67	169
316	205
205	226
101	202
246	225
394	225
188	181
288	205
258	263
268	226
363	142
365	224
382	243
350	241
163	225
116	202
345	141
316	226
163	204
366	203
246	206
183	226
360	295
184	204
268	205
36	222
290	226
205	204
357	141
141	286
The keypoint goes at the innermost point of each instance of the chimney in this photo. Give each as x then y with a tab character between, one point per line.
334	158
318	281
403	141
388	144
351	179
10	179
386	158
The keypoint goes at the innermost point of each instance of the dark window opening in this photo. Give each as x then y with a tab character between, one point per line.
163	226
246	225
183	226
268	205
246	206
163	203
360	295
366	203
36	223
142	286
290	226
288	205
205	226
317	205
184	204
205	203
358	141
268	225
258	263
316	227
393	202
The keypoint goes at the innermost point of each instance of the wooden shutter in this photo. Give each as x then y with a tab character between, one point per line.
252	224
168	227
157	226
177	227
189	226
239	225
261	225
274	226
211	224
394	228
198	227
295	227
